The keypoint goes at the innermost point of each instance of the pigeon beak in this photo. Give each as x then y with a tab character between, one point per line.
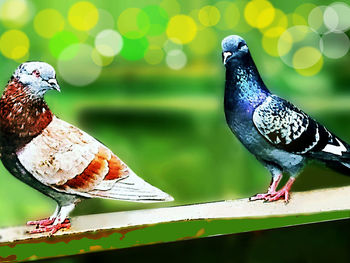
225	56
54	85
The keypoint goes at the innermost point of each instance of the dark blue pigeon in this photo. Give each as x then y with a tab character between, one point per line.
281	136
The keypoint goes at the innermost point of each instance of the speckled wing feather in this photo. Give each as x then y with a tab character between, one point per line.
69	160
290	129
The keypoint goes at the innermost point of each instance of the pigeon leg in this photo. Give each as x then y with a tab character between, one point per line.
61	221
46	221
284	192
271	191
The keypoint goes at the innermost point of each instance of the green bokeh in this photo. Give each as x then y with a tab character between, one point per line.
62	40
134	49
133	23
158	18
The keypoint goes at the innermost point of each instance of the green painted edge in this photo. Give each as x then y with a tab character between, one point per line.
101	240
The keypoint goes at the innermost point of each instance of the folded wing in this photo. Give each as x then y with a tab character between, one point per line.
290	129
69	160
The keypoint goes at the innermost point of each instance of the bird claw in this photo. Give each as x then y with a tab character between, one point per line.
51	228
261	196
41	228
281	194
42	222
272	196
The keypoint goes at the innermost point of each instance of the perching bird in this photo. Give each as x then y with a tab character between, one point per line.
282	137
56	158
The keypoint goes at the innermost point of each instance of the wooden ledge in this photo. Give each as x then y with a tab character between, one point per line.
140	227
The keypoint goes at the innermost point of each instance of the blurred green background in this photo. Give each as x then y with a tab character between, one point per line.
146	79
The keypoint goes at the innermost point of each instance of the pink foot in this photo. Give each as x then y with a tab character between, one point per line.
283	193
271	191
42	222
51	228
261	196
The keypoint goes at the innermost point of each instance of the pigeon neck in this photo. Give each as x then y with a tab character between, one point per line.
22	117
243	79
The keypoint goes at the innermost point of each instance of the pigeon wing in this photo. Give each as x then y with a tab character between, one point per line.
290	129
71	161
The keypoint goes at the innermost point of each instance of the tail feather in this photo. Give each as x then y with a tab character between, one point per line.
340	166
333	152
134	189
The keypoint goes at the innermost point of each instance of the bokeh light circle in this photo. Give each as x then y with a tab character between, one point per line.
133	23
23	59
205	41
48	22
14	44
194	15
300	15
158	19
294	42
270	41
15	13
337	16
83	16
209	15
259	13
295	19
108	43
61	41
105	21
100	60
316	21
80	69
280	22
335	44
182	29
306	57
134	49
176	59
230	15
154	55
313	70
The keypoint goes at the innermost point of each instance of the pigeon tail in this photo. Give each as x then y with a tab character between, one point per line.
336	157
134	189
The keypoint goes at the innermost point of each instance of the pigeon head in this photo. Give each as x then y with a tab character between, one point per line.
234	48
37	77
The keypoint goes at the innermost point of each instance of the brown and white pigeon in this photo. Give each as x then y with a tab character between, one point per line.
56	158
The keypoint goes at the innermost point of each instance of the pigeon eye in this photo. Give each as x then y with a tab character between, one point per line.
36	73
240	45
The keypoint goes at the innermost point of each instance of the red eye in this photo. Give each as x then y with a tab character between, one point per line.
36	73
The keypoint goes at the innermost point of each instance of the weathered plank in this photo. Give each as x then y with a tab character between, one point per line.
133	228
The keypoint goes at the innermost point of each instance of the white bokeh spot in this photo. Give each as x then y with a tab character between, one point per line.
335	44
176	59
80	69
108	42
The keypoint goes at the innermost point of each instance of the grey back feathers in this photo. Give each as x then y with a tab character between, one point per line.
289	128
279	121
